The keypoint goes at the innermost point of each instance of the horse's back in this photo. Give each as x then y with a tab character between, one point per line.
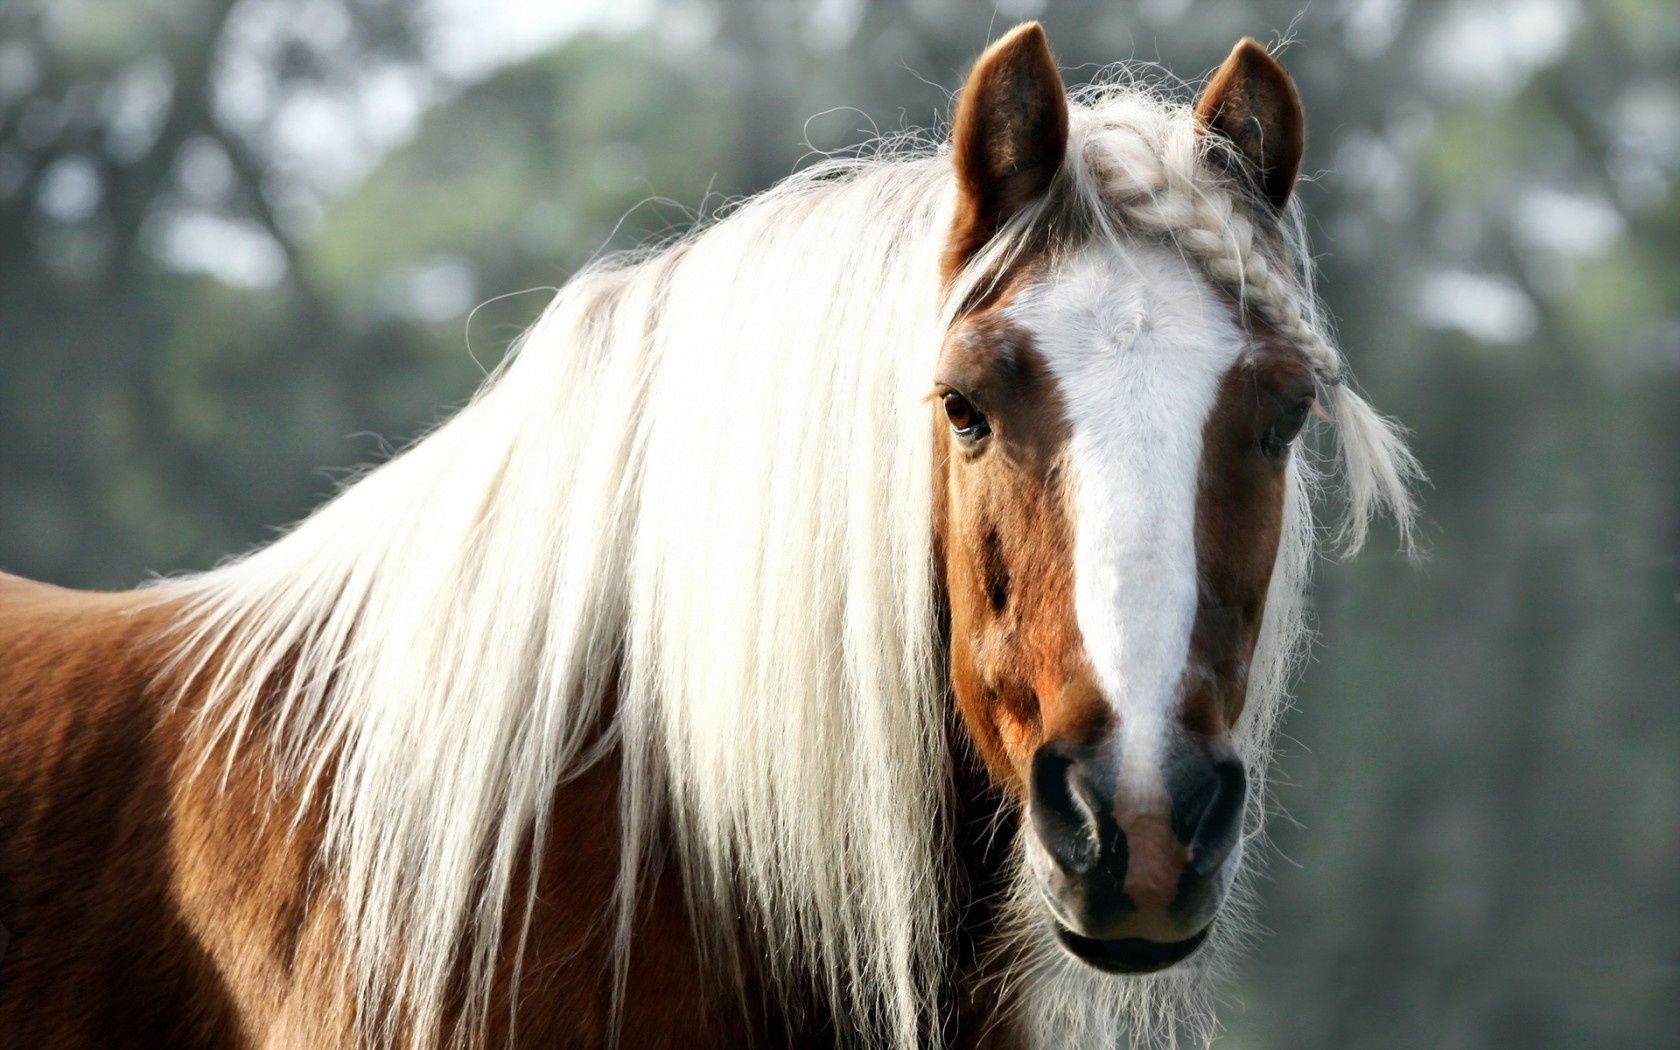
97	952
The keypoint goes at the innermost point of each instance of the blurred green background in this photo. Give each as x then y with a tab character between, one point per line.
241	243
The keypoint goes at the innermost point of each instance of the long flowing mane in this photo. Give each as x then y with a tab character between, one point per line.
687	522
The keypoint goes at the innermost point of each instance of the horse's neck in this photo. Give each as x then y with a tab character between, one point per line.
672	989
675	990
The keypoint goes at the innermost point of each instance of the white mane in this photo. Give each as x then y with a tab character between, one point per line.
701	484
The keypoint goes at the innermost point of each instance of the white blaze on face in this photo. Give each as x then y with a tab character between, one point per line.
1138	342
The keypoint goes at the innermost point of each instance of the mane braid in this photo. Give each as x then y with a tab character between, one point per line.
687	523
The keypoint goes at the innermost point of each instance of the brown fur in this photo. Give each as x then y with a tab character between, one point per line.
1017	664
101	951
1239	521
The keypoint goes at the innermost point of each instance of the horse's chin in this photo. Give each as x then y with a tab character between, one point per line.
1128	955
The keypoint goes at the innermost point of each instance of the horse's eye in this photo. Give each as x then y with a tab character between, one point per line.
1283	429
965	419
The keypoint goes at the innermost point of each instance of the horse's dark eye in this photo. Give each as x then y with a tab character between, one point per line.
1283	429
965	419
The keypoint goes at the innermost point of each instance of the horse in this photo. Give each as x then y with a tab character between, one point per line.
862	621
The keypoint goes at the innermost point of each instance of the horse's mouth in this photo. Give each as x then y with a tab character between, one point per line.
1128	954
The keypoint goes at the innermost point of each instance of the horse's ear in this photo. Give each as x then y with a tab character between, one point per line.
1008	138
1252	102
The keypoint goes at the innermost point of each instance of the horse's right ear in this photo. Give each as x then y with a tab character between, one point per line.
1008	138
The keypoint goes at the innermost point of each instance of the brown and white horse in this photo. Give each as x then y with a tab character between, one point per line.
860	623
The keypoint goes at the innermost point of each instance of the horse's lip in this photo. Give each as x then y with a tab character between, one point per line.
1128	954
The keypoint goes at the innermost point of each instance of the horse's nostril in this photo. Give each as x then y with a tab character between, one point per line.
1209	817
1062	810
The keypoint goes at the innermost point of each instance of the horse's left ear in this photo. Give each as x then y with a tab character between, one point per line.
1008	138
1252	102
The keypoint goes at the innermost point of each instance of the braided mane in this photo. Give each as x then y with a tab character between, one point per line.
1141	165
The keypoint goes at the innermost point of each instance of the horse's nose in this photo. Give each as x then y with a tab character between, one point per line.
1070	806
1208	793
1126	866
1069	810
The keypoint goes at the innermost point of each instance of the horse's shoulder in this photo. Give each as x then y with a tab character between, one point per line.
89	888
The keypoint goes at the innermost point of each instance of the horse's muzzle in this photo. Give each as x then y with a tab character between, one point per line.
1134	883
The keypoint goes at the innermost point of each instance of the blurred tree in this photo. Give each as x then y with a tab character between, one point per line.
140	142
